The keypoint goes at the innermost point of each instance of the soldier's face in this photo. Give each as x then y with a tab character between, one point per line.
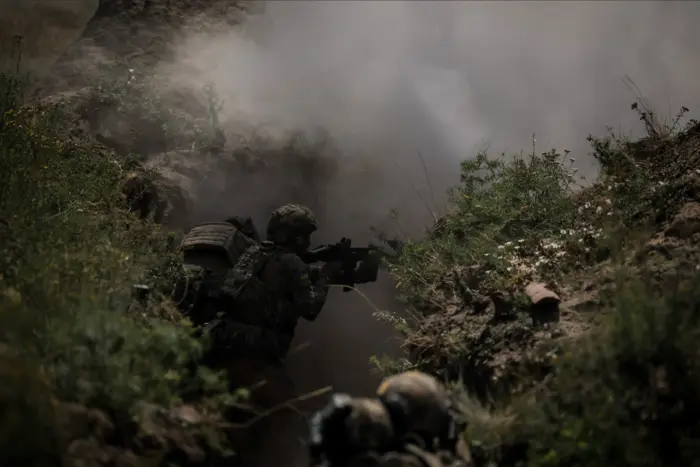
303	242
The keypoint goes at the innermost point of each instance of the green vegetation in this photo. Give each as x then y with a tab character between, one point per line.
70	332
621	252
630	394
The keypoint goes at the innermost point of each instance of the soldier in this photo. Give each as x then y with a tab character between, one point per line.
209	251
265	294
412	423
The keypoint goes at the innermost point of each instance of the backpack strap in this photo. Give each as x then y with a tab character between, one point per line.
257	268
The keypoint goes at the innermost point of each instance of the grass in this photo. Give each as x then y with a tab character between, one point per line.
71	253
556	394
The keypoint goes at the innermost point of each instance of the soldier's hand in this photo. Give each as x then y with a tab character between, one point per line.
333	271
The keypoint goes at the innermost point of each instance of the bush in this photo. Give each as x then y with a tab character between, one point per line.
626	394
512	221
629	395
69	260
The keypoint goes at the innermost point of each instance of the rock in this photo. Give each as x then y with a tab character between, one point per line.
187	414
545	303
85	453
82	422
686	223
126	459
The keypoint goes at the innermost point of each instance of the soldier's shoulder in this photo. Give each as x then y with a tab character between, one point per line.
291	262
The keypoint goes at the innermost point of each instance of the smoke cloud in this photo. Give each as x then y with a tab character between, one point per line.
408	89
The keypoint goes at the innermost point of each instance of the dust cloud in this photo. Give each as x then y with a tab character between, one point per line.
46	28
408	89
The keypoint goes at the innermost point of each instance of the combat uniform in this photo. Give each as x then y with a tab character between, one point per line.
264	295
408	456
209	251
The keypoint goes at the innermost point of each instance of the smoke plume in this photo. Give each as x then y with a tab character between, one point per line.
408	89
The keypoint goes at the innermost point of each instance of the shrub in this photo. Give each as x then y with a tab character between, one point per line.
629	395
71	256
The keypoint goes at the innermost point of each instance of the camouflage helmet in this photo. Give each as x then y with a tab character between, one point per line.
290	220
420	406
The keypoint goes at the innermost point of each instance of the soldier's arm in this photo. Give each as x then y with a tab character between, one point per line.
307	293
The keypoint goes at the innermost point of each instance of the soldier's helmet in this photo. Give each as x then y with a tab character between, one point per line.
421	408
348	427
289	221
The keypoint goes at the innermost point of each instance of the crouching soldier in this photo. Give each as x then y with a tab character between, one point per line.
411	422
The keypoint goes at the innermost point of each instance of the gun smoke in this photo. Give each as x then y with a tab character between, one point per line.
408	89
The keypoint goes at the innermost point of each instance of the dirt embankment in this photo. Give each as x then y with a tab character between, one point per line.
111	84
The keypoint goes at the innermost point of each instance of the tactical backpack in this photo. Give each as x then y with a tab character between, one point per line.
209	250
215	246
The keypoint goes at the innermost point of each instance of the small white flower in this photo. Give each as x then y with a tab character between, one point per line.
598	210
509	269
521	240
500	247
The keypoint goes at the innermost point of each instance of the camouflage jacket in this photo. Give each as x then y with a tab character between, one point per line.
410	456
265	293
197	293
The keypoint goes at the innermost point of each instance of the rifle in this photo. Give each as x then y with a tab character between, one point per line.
359	264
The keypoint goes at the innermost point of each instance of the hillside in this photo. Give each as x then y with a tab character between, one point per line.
569	314
564	309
